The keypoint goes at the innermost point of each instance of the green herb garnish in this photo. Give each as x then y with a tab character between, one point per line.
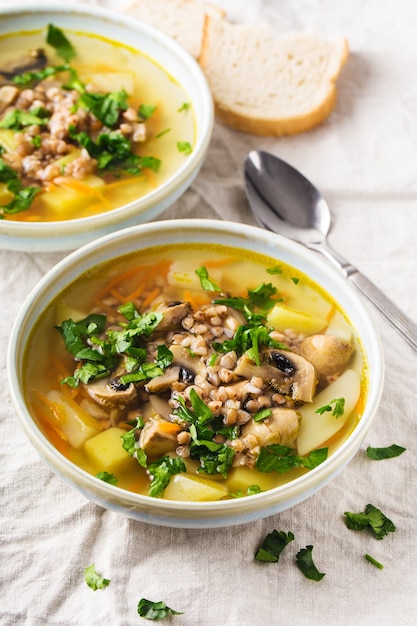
22	196
304	560
372	519
261	415
206	283
184	107
63	47
377	564
155	610
107	478
184	147
282	459
338	409
377	454
146	110
272	546
16	119
95	581
161	472
105	107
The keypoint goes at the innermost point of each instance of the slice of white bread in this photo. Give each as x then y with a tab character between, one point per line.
268	85
183	20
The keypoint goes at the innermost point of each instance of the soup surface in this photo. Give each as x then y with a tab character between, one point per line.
195	372
86	125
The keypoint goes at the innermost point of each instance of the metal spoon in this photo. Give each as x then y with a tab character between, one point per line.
286	202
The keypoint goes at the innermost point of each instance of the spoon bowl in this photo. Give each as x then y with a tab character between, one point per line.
286	202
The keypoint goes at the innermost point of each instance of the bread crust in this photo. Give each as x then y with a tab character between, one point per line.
254	121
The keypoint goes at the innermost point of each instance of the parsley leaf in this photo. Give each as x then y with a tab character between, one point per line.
304	560
107	478
206	283
372	518
105	107
27	78
261	415
146	110
155	610
389	452
184	146
282	459
63	47
377	564
23	196
161	472
184	107
250	491
16	119
95	581
338	409
272	546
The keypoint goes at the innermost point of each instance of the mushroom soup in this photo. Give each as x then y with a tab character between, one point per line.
195	372
86	125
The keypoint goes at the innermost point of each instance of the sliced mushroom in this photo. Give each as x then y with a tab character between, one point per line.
288	373
281	427
161	383
8	94
182	356
109	392
330	355
173	314
35	60
158	436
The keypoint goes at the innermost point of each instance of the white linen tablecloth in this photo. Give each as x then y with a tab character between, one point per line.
364	160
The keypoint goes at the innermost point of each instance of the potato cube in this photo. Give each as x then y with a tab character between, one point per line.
106	452
282	317
190	488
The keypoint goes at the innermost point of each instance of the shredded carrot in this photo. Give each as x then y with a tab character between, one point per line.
117	280
135	294
151	297
196	300
75	185
116	294
57	410
55	436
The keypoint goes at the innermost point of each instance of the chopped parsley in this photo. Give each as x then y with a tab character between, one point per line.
282	459
206	283
184	147
272	546
161	472
184	107
106	107
95	581
378	454
261	415
63	47
155	610
22	196
338	409
99	357
305	563
373	519
107	478
215	458
371	559
146	110
16	119
250	491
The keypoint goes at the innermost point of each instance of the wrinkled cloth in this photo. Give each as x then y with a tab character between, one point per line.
364	160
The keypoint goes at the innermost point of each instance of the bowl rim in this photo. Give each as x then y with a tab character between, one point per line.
199	230
203	130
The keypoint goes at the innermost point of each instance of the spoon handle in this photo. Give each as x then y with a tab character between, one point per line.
399	320
404	325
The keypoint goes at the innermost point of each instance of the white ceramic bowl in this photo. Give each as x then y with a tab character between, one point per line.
201	514
69	235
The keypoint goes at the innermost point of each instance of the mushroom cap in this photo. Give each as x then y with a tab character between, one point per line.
330	355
